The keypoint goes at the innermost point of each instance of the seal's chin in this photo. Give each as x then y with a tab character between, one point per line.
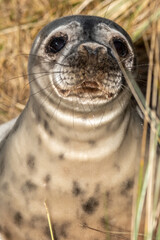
89	90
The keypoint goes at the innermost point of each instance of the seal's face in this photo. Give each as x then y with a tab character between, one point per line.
81	55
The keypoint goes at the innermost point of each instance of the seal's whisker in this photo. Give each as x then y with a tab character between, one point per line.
41	90
38	77
26	75
56	106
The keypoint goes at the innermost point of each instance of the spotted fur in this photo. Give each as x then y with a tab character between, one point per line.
77	143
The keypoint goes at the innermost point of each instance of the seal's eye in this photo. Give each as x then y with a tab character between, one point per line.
56	44
120	47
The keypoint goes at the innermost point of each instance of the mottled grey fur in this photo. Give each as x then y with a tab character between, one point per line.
77	143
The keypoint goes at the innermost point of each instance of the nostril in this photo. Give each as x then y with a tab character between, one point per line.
109	52
92	51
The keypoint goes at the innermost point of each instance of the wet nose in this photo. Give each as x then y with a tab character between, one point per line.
93	51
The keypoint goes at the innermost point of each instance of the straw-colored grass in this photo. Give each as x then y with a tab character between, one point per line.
19	23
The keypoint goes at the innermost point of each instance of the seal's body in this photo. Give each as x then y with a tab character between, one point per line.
76	145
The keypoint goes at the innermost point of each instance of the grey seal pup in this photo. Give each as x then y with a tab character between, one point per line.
77	143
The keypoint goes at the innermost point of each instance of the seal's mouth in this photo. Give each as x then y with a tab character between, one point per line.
87	89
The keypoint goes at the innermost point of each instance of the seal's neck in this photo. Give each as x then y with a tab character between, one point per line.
81	136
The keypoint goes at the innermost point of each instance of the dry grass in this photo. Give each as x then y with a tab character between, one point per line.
19	23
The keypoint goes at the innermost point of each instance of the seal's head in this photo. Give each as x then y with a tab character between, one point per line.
79	57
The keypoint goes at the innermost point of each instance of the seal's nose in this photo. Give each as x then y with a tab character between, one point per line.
92	50
96	50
